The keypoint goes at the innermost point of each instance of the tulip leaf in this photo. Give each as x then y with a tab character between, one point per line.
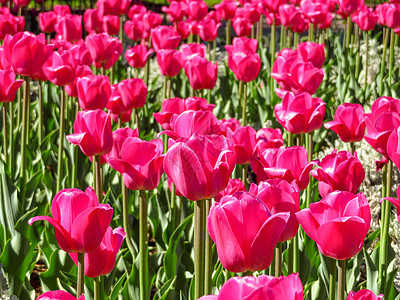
163	292
372	271
117	287
8	204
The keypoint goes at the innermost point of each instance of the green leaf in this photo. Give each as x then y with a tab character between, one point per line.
117	287
165	289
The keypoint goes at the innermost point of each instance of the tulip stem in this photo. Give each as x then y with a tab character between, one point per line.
260	32
383	61
296	40
228	32
96	288
391	56
311	33
341	279
61	132
11	132
74	175
348	32
296	256
309	148
208	253
283	37
137	120
174	207
272	45
353	147
25	111
143	247
125	218
366	37
332	279
278	259
98	181
5	137
81	275
244	107
40	112
198	249
358	60
244	175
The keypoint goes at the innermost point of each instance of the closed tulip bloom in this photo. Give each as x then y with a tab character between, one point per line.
395	202
233	186
339	171
134	29
230	125
389	15
316	11
312	52
170	62
348	7
300	113
272	18
140	162
261	287
280	197
62	10
151	20
348	122
245	232
10	25
244	141
393	149
105	50
81	54
245	65
8	85
249	12
287	163
242	44
176	106
338	223
191	50
119	137
113	7
197	9
133	92
111	24
59	68
208	29
137	56
268	138
102	260
177	11
59	295
366	18
227	9
70	28
364	295
94	91
186	27
80	71
80	222
202	73
93	21
136	10
293	18
201	167
115	104
92	132
165	37
273	5
27	53
241	26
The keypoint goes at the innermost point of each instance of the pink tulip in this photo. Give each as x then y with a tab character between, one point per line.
113	7
197	9
244	141
287	163
133	92
395	202
339	171
81	54
165	37
317	11
227	9
177	11
80	71
21	3
201	167
80	222
272	18
8	85
59	68
104	49
137	56
140	162
338	223
94	91
311	52
348	7
102	260
208	29
115	104
230	125
170	62
202	73
249	12
364	295
134	29
241	26
136	10
389	15
261	287
280	197
245	232
111	25
27	53
273	5
191	50
348	122
366	18
92	133
10	24
268	138
242	44
393	149
300	113
176	106
58	295
293	18
233	186
93	21
151	20
70	28
62	10
245	65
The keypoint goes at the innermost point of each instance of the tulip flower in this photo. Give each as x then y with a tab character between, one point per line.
202	73
273	5
8	85
300	113
245	232
80	222
58	295
102	260
133	92
137	56
62	10
113	7
93	21
151	20
187	27
136	10
268	138
115	104
348	122
111	24
119	137
243	141
134	29
261	287
80	71
293	18
94	91
338	223
81	54
349	7
241	26
176	11
364	295
208	29
92	133
191	50
227	9
104	49
395	202
233	186
339	171
393	149
317	11
27	53
140	162
288	163
197	9
230	125
245	65
70	28
170	62
366	18
242	44
176	106
389	15
59	68
10	24
272	18
201	167
311	52
165	37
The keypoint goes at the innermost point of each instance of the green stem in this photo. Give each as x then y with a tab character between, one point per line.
19	105
25	111
283	37
353	147
391	56
96	287
5	137
61	133
348	32
209	51
366	37
290	256
81	275
74	174
296	254
169	82
137	120
99	180
244	107
272	45
228	32
341	286
278	259
40	111
309	148
296	40
214	54
248	273
311	33
383	62
244	175
289	139
198	249
208	253
358	60
332	279
165	87
125	218
11	132
143	247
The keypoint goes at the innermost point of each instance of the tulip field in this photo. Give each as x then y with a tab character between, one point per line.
224	150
